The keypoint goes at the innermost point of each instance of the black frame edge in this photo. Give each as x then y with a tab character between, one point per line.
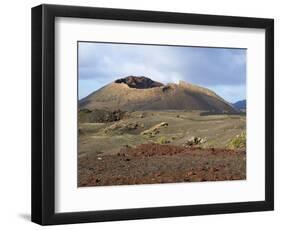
43	126
158	212
36	114
269	113
43	122
156	16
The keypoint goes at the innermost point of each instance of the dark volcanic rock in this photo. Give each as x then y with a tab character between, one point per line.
100	115
139	82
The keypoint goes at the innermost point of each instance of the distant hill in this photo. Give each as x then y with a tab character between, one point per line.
241	105
142	93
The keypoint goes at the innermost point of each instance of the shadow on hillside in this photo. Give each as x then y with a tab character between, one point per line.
221	113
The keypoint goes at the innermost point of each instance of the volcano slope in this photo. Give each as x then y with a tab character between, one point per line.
141	94
122	143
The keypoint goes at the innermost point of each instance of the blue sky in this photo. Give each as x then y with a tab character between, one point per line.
219	69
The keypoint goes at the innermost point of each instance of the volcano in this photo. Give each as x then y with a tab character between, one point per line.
138	93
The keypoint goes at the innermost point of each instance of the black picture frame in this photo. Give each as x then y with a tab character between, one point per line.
43	114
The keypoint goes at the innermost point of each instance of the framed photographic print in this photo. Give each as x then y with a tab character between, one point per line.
142	114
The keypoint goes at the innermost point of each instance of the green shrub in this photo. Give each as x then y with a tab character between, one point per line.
238	142
162	140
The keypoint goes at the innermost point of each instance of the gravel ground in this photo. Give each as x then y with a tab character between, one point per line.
155	163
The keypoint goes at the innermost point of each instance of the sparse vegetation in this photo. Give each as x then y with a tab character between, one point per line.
121	127
238	142
154	130
163	140
166	134
111	136
195	141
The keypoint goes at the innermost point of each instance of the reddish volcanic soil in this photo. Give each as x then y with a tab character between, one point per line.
155	163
